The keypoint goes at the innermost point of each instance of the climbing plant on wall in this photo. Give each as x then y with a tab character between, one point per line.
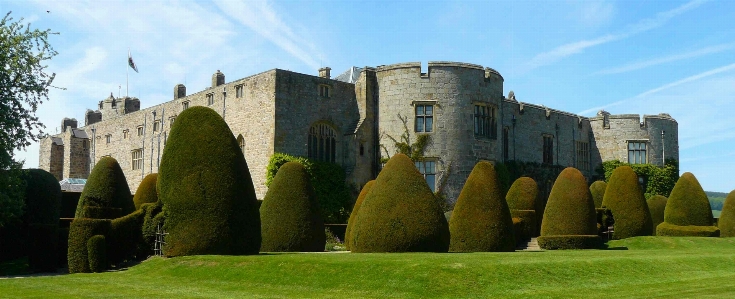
657	180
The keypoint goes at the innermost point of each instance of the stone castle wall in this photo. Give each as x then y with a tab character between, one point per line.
611	136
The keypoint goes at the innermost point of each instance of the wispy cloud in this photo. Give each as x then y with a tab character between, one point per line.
262	18
596	13
648	63
563	51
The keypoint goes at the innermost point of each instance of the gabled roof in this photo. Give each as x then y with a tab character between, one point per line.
350	76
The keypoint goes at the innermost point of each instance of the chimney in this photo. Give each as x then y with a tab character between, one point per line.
179	91
218	79
324	72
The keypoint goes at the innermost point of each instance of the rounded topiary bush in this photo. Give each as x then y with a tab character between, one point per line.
625	200
481	219
42	208
351	222
97	253
146	192
290	216
400	213
688	212
105	192
727	217
206	189
80	231
126	235
522	198
569	219
597	189
656	205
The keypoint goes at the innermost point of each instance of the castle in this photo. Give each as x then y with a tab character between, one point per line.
351	120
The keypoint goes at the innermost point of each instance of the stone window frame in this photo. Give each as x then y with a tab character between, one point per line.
547	149
126	134
325	91
156	125
136	159
420	115
583	155
140	130
637	150
171	121
485	120
430	176
239	91
108	138
184	105
322	142
210	99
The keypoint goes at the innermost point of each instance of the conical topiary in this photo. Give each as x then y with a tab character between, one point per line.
481	219
688	212
522	198
351	222
625	200
656	205
42	208
289	216
569	219
106	194
146	192
400	213
597	189
205	186
727	217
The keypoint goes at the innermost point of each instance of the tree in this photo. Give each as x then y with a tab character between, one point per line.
24	85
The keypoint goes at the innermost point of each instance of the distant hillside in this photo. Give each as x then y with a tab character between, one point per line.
711	194
716	199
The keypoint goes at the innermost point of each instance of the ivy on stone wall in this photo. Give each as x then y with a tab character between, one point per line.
403	144
657	180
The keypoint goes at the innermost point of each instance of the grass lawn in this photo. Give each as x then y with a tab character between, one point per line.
653	267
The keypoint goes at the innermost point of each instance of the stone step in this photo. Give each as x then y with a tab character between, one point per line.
531	245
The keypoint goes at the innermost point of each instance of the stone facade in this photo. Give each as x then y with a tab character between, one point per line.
280	111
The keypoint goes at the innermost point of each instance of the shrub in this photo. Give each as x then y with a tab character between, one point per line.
667	229
97	253
686	208
62	247
522	198
569	219
519	228
400	213
360	198
660	180
80	231
530	226
42	207
42	243
152	218
106	187
289	215
101	212
146	192
126	236
206	188
481	219
656	205
597	189
727	217
625	200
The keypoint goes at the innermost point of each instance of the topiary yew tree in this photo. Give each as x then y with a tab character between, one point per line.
43	204
146	192
400	213
522	198
597	189
290	216
656	205
569	219
351	222
106	194
687	212
205	185
727	217
625	200
481	219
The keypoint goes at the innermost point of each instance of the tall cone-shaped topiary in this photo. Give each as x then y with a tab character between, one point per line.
569	219
106	194
597	189
289	216
146	192
625	200
351	222
727	217
400	213
656	205
205	186
42	208
522	198
687	212
481	219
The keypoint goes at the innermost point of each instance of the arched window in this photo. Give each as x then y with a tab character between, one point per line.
322	143
241	144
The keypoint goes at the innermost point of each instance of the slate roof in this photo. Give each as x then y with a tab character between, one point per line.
350	76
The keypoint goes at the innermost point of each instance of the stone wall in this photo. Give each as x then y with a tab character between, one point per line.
51	156
76	154
612	136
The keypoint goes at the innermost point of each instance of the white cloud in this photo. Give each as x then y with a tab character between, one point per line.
596	13
671	58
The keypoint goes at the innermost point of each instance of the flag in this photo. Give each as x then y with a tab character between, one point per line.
131	63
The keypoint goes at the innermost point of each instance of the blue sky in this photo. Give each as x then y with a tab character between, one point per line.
643	57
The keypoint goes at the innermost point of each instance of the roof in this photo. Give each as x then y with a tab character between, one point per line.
79	133
350	76
72	185
57	140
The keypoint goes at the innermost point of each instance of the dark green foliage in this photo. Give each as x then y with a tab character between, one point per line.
530	226
328	180
360	198
146	192
152	218
519	228
69	202
106	188
80	231
569	218
543	174
97	253
656	205
597	189
101	212
126	237
727	217
672	230
289	215
42	201
522	194
659	180
62	247
481	218
687	212
206	188
400	213
625	200
42	242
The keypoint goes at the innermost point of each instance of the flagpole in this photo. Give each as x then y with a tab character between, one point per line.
127	72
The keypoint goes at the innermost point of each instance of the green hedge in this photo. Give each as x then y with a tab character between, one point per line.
727	217
570	242
205	186
400	213
627	204
688	204
569	212
42	243
481	218
101	212
351	222
106	187
522	194
597	189
657	206
97	253
146	192
126	236
530	227
328	180
660	180
42	208
153	216
80	231
672	230
62	247
289	215
519	230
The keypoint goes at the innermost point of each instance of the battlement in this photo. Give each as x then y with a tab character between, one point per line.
630	120
488	73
